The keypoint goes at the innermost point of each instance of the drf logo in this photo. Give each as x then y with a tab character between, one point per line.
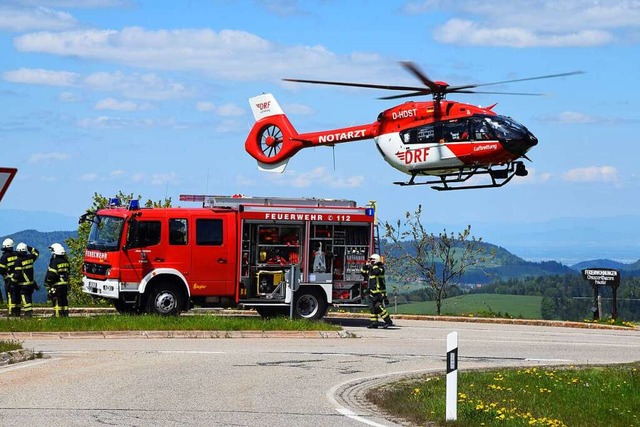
263	105
413	156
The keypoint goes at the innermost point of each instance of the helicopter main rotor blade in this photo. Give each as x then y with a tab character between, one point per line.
424	92
413	68
549	76
365	85
496	93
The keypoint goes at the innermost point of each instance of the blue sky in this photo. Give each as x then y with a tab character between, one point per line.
151	97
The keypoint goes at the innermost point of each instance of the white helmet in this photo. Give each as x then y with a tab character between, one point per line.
22	247
375	258
57	249
7	244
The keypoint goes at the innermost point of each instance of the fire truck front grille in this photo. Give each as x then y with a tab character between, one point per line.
99	269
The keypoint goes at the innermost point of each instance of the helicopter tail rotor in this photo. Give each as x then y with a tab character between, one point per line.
272	140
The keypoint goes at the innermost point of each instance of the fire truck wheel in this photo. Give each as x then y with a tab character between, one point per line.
164	300
309	305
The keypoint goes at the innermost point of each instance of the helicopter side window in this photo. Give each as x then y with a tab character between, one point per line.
420	135
456	130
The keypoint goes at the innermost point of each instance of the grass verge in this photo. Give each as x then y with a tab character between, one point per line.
161	323
9	346
568	396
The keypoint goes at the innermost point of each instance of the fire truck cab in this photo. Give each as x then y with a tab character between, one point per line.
280	256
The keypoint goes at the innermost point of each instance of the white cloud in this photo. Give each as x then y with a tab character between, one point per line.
69	97
20	19
282	7
114	104
463	32
89	177
229	126
148	86
205	106
229	110
300	109
138	86
525	23
113	122
592	174
117	173
87	4
569	117
163	178
41	77
227	54
48	157
225	110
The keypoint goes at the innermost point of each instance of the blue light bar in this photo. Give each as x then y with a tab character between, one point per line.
134	205
114	202
369	211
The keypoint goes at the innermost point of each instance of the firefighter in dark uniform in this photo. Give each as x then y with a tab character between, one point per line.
7	271
378	293
57	280
24	276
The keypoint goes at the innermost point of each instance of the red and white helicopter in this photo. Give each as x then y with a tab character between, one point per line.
447	142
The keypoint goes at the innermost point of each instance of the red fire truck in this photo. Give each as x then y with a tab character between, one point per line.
277	255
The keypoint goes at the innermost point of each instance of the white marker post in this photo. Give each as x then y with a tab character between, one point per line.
452	376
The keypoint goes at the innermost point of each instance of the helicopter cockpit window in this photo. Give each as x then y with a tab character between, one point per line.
456	130
421	135
506	128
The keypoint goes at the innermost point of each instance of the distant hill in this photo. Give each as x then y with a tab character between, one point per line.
628	269
41	241
12	220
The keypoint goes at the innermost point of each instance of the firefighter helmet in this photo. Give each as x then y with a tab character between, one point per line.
22	247
7	244
375	258
57	249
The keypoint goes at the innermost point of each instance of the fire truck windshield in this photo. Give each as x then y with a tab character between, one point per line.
105	233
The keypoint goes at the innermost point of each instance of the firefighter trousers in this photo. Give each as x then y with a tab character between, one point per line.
377	308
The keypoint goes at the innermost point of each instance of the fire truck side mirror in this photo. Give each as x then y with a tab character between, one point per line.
87	217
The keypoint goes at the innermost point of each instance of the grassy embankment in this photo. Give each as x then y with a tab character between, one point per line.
483	305
160	323
9	345
568	396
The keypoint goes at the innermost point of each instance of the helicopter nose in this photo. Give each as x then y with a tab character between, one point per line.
520	146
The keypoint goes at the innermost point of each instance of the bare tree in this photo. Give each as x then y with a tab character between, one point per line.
439	260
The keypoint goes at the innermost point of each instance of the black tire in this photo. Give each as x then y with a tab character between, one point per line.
124	308
165	300
309	304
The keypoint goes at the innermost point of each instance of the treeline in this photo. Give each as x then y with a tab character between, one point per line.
570	297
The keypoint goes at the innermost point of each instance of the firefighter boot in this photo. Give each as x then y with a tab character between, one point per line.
28	313
64	313
387	322
373	326
15	312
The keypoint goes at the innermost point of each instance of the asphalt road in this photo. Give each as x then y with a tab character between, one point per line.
269	381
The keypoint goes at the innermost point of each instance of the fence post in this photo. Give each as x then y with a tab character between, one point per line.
452	376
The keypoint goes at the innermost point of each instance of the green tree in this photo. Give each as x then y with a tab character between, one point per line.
438	260
77	245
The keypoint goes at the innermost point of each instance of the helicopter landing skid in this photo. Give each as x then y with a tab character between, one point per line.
499	177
